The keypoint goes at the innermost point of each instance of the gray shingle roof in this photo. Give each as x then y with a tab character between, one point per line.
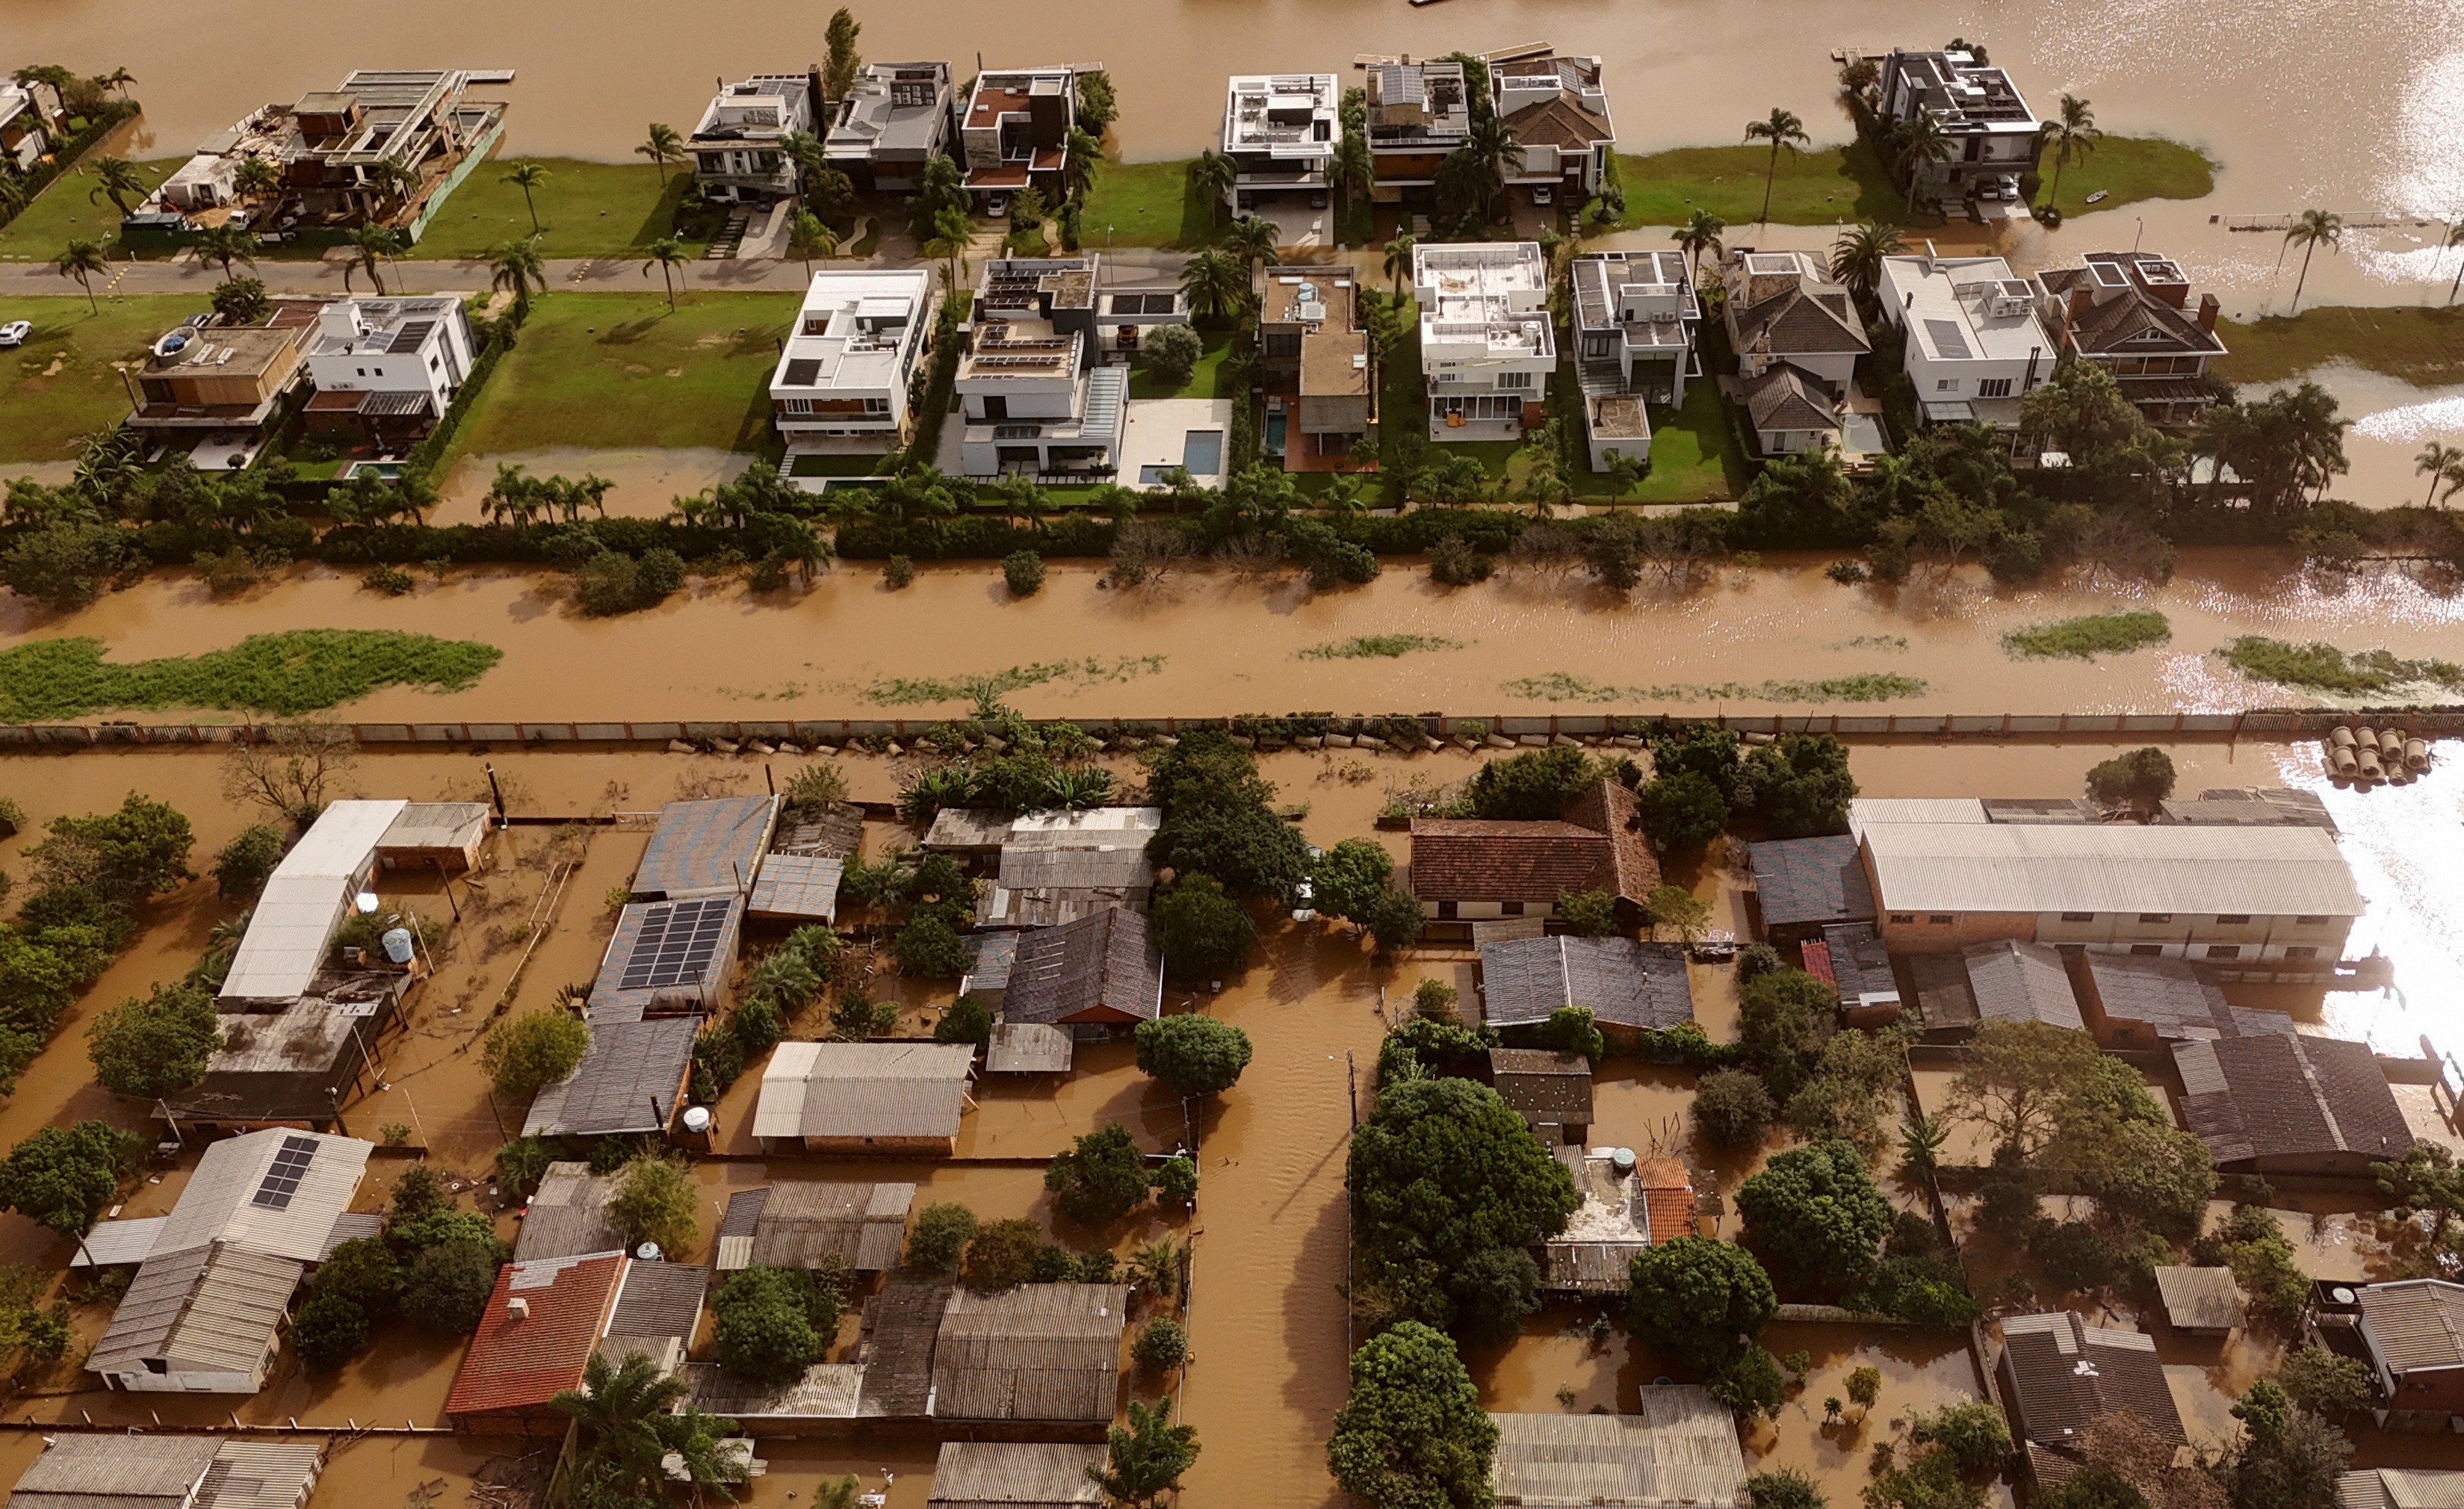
660	1300
1103	968
2288	1096
1803	881
1041	1351
705	848
1679	1448
1546	1087
1624	982
630	1079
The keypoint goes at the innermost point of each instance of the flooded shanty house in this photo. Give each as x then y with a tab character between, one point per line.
1473	869
214	1279
547	1318
798	888
168	1472
886	1098
442	836
1088	977
304	903
1627	1204
1803	886
808	1224
567	1215
1679	1450
2409	1332
1851	957
705	848
293	1066
1628	986
632	1080
2392	1488
1550	1088
2201	1302
2058	1374
2292	1104
1048	1352
2250	806
2140	1001
1019	1474
990	957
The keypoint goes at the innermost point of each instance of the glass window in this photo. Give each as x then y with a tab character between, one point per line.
2224	950
2233	919
1940	919
2155	916
2312	921
2078	916
1902	918
2147	950
2301	950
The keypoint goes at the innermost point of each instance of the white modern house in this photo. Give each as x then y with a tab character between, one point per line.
842	380
1560	116
1034	397
388	367
1976	337
736	148
893	121
22	141
1636	322
1280	130
1487	345
1992	130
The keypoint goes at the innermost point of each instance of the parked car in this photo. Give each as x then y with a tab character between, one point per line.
1543	194
15	332
997	207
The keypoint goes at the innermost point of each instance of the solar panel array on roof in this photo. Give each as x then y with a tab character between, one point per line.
282	1178
1949	339
407	341
677	942
802	372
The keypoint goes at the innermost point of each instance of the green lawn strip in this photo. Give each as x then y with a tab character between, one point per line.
621	370
810	464
300	670
1145	204
2318	667
58	387
1202	378
1694	454
2424	346
2129	170
70	208
585	209
1376	647
2086	637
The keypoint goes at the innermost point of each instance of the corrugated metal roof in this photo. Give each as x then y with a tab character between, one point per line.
902	1325
435	826
519	1362
1026	1047
2415	1323
568	1217
1679	1448
262	1475
206	1310
303	901
706	848
1624	982
1801	880
351	1226
222	1200
629	1080
986	1472
2168	994
863	1089
2398	1488
2014	981
1103	968
114	1242
79	1472
1867	811
1041	1351
660	1300
826	1390
2114	867
800	885
2201	1299
2288	1096
802	1222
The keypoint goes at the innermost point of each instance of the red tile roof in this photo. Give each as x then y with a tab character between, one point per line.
517	1363
1594	847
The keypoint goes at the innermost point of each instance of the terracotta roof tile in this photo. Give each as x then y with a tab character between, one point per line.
1594	847
519	1363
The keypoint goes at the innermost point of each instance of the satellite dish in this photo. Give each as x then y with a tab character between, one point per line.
366	901
647	1251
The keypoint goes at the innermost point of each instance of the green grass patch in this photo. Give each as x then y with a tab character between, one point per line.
2323	668
2129	169
1809	188
301	671
623	371
585	209
1146	204
1204	377
1694	456
906	692
1376	647
2423	347
59	387
68	208
2094	634
1559	686
1894	644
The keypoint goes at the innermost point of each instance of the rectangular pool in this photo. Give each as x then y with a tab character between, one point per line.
1201	451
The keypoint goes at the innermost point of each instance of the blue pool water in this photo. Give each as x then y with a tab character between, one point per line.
1202	452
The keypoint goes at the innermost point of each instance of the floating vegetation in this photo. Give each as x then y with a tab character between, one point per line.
903	692
2094	634
1376	647
2323	668
1871	687
300	670
1889	643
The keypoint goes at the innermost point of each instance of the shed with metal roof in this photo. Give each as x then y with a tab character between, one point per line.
116	1471
305	900
865	1097
1018	1474
2201	1302
711	847
1678	1450
1628	986
808	1224
631	1078
2290	1102
1039	1351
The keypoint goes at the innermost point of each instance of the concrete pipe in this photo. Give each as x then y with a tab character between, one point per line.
2341	736
2345	762
2391	745
2365	737
2371	769
2417	754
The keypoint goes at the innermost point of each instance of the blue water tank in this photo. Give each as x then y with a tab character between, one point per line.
397	945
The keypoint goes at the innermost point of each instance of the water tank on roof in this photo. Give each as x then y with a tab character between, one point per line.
397	945
174	343
1622	1160
2340	1295
697	1119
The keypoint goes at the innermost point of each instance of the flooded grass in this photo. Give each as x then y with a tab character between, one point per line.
2318	667
2423	347
903	692
2129	169
1376	647
2115	633
302	670
1559	686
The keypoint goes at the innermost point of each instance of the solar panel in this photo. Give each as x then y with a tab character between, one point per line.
281	1181
677	941
1949	339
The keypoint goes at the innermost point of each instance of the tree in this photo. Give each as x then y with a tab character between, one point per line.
1681	810
1398	255
1101	1178
1171	353
1217	286
255	178
1751	1384
373	242
667	253
2138	779
654	1202
2018	1076
1815	1213
2094	1486
116	178
928	946
1783	1020
1412	1434
1023	573
1192	1054
2072	133
966	1021
1781	129
2311	229
1213	174
226	244
361	1271
124	856
2290	1456
1162	1347
1532	786
1219	819
240	300
513	268
1147	1459
288	773
808	238
1857	255
1251	239
1098	108
1731	1108
328	1332
1800	784
1705	1299
446	1287
631	1418
81	260
1003	1254
1396	920
940	1236
1678	911
1346	879
1353	167
1492	1292
662	147
838	74
1787	1488
775	1323
1973	1432
1921	139
2440	463
1700	234
242	865
155	1047
538	1048
2325	1383
1203	932
1570	1029
62	1178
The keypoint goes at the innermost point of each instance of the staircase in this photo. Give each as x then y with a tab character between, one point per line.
731	235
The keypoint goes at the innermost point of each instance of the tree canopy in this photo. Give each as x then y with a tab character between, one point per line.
775	1323
62	1178
1708	1299
535	1049
1219	819
157	1046
1532	786
1814	1212
1100	1179
1193	1053
1412	1434
1204	932
2136	778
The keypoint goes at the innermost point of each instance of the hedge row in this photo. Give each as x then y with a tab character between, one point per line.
990	538
65	156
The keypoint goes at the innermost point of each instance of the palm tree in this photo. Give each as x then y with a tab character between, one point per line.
2312	229
1700	234
226	244
1353	170
1252	239
1781	130
802	151
666	253
630	1423
2437	461
527	176
1083	156
1216	285
373	241
1921	139
953	233
662	147
2455	238
1213	174
808	238
2074	131
1856	256
1498	149
1399	260
119	78
83	260
255	176
513	268
117	178
390	180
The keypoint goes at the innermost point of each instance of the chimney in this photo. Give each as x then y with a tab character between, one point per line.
821	105
2081	294
2208	313
518	1308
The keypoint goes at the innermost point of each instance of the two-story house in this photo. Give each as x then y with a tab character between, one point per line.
200	381
1313	353
1797	338
893	121
736	148
1975	339
1993	134
387	369
1487	343
842	376
2129	312
1278	130
1033	397
22	142
1016	133
1417	114
1560	116
1636	320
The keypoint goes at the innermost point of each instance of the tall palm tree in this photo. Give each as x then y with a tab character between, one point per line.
117	178
12	192
1213	174
2073	131
630	1423
1700	234
373	241
1399	260
256	177
808	238
1781	129
83	260
802	151
1079	164
953	233
663	146
513	267
119	78
666	253
1498	149
1252	239
2455	238
1217	284
1353	170
527	176
226	244
1856	256
2312	229
2437	461
1919	139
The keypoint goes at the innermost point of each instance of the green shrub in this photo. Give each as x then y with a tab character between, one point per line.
1161	1346
1022	571
2084	638
940	1236
898	571
1731	1108
391	580
329	1331
242	866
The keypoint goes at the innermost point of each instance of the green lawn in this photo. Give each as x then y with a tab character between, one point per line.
68	208
810	464
621	371
1694	454
2129	168
1146	204
2425	347
595	210
58	387
1202	378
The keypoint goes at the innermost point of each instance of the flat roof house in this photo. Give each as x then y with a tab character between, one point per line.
1622	1211
1100	971
1560	115
1629	987
2135	1001
197	379
1678	1451
890	1098
1977	337
387	369
1487	342
1014	132
2128	312
736	148
893	121
1992	130
1417	114
844	373
1802	885
1313	353
1047	1353
2058	1373
2290	1102
803	1223
1280	130
1636	323
1019	1474
291	1064
1469	869
1550	1088
116	1471
1036	401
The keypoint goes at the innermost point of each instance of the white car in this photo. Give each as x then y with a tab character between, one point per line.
1543	194
15	332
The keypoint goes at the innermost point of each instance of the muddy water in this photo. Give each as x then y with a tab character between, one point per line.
2393	420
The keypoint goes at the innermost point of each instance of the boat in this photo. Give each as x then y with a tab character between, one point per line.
2097	198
